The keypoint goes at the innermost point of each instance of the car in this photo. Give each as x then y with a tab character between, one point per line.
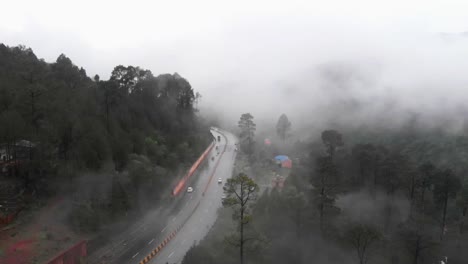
189	189
220	180
223	196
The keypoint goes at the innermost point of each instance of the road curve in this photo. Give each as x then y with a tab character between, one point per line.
202	219
192	213
198	210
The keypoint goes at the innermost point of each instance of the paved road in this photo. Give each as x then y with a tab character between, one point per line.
203	218
195	211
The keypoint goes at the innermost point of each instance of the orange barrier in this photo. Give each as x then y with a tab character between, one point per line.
166	241
181	184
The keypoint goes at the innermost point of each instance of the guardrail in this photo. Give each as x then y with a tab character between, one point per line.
155	251
181	184
73	255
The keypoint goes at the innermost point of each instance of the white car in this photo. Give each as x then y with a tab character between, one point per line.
189	189
220	180
223	196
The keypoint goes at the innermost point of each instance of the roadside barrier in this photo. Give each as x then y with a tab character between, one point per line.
158	249
75	254
166	240
181	184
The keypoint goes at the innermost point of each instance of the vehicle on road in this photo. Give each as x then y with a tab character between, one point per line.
189	189
219	138
220	180
223	196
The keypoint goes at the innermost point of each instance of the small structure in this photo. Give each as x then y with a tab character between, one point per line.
283	161
14	154
278	182
20	150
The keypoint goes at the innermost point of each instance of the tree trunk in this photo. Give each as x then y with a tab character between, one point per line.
242	227
422	195
412	188
298	224
321	207
361	170
416	251
444	214
107	113
462	223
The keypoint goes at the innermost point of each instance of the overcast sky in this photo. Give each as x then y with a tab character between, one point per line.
270	56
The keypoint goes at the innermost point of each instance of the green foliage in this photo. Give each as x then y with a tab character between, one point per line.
81	125
407	202
198	255
240	193
446	186
332	140
247	133
240	190
361	238
283	126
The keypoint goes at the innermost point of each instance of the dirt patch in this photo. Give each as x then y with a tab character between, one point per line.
37	234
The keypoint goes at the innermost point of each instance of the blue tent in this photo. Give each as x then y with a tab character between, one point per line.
281	158
283	161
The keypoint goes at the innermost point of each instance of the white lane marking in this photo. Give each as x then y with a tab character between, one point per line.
163	229
170	255
135	255
134	231
151	241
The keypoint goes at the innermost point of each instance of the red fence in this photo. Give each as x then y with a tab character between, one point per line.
181	184
7	219
74	255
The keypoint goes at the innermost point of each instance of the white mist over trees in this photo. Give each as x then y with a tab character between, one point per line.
283	127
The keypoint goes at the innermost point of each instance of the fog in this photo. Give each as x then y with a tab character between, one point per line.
313	60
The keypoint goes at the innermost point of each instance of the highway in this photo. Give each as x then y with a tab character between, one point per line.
191	215
203	218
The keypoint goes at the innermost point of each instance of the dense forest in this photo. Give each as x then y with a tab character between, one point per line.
352	196
103	144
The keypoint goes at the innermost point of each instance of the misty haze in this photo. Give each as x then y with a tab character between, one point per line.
242	132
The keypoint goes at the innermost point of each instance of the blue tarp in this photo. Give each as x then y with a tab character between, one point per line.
281	158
